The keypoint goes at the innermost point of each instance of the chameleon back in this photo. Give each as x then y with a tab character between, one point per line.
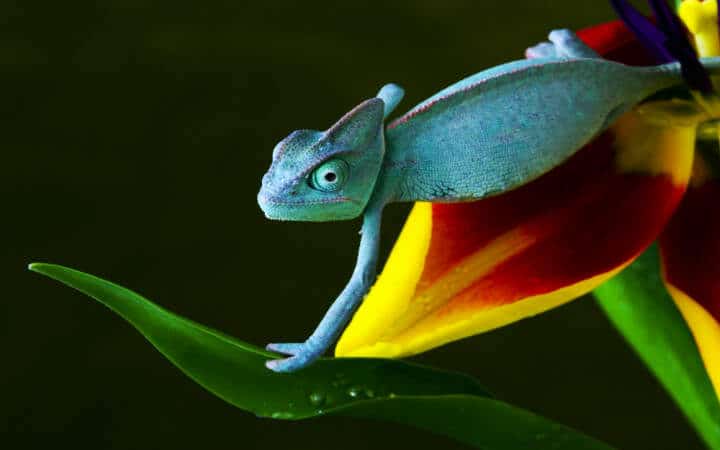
502	127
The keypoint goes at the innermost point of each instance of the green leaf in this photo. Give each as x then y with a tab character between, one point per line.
443	402
638	304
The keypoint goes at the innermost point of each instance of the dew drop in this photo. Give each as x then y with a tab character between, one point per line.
317	398
355	391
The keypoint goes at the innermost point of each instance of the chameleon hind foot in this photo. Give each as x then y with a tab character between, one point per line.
563	43
541	50
301	354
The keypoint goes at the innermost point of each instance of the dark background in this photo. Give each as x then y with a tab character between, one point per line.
134	135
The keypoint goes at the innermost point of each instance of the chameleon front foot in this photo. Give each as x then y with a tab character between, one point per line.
285	348
301	355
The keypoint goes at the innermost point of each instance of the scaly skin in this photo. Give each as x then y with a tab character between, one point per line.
482	136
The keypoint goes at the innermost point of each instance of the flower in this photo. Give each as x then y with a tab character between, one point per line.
701	18
457	270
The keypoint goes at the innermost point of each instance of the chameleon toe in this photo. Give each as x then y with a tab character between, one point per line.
292	363
285	348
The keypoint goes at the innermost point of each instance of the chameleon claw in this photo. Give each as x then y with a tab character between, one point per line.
569	45
563	44
285	365
562	37
301	355
541	50
285	348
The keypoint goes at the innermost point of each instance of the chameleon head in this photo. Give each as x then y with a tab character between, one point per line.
326	175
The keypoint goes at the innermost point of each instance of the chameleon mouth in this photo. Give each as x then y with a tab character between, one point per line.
273	201
269	206
276	208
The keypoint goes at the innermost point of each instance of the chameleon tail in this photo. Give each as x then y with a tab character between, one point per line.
668	40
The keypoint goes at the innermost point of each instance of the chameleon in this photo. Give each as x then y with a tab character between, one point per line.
482	136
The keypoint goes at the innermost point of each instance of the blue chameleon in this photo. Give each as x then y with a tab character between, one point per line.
482	136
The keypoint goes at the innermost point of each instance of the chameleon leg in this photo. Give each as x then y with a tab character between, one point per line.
563	44
390	94
337	316
285	348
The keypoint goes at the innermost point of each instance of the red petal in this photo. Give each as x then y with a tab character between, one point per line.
690	250
691	247
615	41
479	265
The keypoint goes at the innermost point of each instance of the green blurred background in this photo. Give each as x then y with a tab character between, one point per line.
134	136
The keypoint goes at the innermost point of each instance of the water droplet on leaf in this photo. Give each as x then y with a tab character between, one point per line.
317	398
355	391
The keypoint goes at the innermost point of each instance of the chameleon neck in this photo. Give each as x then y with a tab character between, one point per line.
400	174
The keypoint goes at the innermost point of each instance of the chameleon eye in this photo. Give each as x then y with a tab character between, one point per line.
330	176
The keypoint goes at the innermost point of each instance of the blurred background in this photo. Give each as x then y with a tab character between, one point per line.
134	136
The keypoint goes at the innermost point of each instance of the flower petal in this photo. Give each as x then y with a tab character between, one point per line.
616	42
701	18
690	249
465	268
651	36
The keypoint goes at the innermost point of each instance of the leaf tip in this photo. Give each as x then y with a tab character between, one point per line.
41	268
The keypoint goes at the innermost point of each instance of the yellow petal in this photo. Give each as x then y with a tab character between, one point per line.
701	18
